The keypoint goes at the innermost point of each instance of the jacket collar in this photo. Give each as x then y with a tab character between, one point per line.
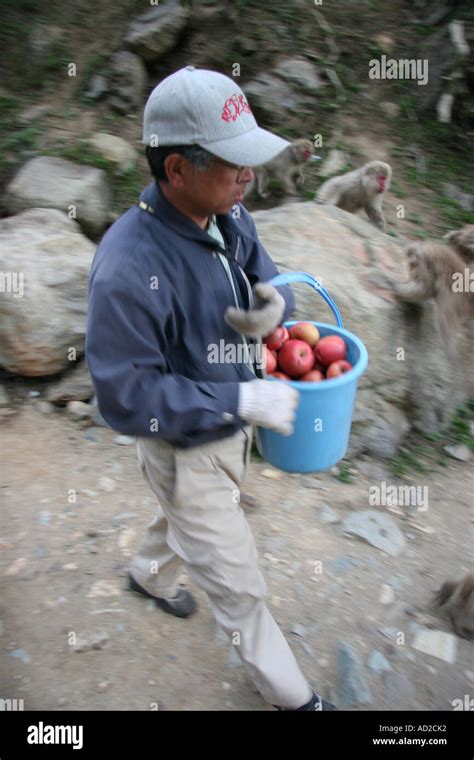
181	224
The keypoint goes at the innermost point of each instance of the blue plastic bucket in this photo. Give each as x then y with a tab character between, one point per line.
324	414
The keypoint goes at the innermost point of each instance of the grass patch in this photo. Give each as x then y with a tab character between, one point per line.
423	451
16	142
343	473
81	153
444	159
398	190
409	459
414	218
460	430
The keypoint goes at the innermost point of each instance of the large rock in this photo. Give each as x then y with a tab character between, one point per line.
409	381
45	182
114	149
288	89
156	32
41	321
127	80
76	385
273	99
299	72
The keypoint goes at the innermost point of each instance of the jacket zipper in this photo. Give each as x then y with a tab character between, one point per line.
250	341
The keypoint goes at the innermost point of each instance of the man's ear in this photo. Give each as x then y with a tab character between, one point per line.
175	168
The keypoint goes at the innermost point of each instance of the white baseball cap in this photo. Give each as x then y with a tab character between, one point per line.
199	107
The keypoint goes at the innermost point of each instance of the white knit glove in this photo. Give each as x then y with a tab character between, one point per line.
262	320
269	404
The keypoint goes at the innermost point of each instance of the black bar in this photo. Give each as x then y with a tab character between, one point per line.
446	734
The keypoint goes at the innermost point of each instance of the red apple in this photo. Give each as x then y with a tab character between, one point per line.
305	331
314	376
280	375
330	349
277	338
269	360
338	368
295	358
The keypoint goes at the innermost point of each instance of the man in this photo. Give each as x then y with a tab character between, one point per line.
178	275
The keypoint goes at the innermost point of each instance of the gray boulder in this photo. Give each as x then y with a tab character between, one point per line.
271	98
81	191
127	80
76	385
114	149
299	72
156	32
41	321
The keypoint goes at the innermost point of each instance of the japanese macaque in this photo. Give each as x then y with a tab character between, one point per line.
441	272
444	273
286	167
456	600
362	188
463	242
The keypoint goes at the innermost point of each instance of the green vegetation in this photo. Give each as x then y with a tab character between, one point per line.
343	473
461	428
398	190
16	142
421	452
409	459
442	157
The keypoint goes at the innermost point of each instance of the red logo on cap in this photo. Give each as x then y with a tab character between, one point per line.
234	106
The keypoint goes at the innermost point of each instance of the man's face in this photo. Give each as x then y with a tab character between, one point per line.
214	190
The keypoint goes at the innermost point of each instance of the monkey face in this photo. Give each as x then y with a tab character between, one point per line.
379	174
302	150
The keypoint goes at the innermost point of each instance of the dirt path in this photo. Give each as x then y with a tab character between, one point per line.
65	540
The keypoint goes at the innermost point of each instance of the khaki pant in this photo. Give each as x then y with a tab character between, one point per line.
201	525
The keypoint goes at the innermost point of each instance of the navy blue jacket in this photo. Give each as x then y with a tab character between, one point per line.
157	296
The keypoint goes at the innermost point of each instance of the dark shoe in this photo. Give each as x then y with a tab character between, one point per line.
318	704
315	704
182	605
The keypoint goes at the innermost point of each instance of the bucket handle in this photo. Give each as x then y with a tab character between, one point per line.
288	277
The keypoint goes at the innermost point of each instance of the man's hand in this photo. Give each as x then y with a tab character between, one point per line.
262	320
268	403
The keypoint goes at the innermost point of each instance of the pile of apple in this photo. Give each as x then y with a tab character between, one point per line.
301	354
